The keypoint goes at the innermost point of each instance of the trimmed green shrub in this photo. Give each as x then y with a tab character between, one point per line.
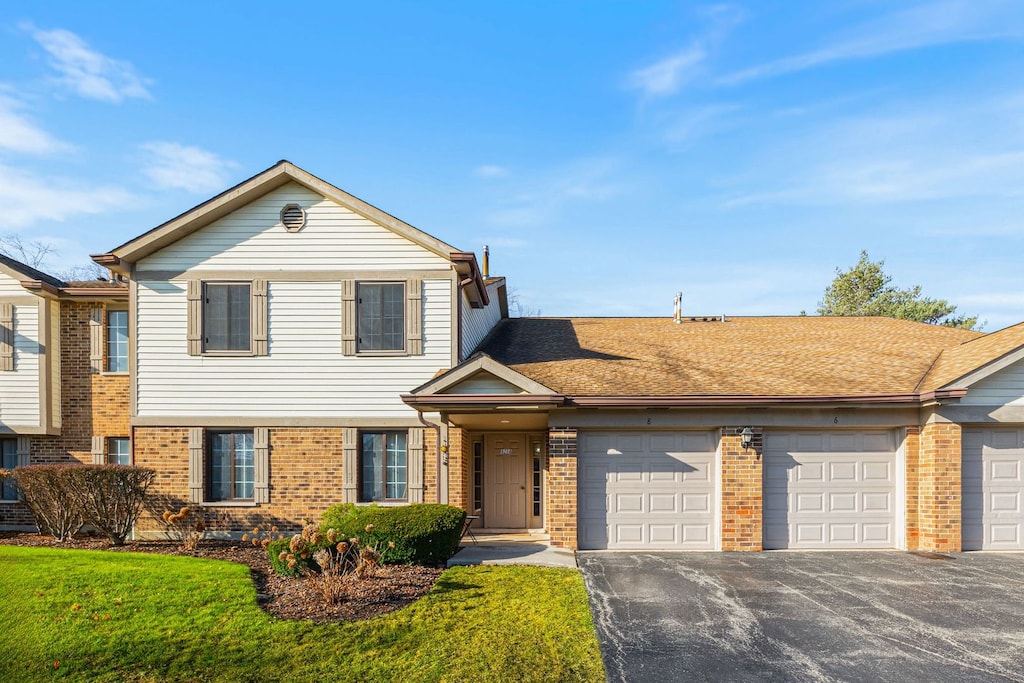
422	533
342	516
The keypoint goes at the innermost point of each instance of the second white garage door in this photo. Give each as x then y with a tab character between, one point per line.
830	490
646	490
993	489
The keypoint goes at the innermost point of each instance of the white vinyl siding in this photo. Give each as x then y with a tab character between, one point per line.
253	238
484	383
19	389
305	373
1004	388
477	322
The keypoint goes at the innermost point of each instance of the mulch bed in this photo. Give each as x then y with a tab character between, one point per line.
389	588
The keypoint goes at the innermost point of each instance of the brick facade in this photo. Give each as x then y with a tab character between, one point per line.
560	500
911	452
939	469
741	491
305	479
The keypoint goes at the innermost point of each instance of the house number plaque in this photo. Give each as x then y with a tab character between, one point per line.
504	451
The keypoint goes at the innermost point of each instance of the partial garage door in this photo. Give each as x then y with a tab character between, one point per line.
830	490
646	490
993	489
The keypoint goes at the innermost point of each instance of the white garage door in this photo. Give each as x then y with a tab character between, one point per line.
993	488
830	490
650	490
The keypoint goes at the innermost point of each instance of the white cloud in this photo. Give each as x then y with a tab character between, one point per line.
19	134
28	200
955	21
170	165
668	75
490	171
88	73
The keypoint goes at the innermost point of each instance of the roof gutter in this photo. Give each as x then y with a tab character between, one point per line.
47	290
448	402
469	271
733	400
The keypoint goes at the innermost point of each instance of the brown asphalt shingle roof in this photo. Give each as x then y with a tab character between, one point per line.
777	356
957	361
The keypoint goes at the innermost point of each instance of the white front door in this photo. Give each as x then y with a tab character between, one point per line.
646	490
830	490
993	489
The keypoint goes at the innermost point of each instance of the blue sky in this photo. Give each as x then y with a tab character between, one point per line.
610	153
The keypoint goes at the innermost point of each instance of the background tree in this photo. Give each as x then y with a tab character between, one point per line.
866	289
35	252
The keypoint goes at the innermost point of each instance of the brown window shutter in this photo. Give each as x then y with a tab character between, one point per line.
415	460
349	465
96	355
195	318
23	451
414	317
195	465
6	337
348	317
258	307
99	450
261	476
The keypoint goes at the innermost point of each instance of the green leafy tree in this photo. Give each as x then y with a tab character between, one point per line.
866	289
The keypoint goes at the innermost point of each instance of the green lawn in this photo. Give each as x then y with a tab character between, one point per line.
124	616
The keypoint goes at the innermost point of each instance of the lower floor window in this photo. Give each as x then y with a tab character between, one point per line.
231	465
8	461
385	466
119	451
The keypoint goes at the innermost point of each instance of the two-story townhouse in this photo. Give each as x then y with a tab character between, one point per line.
275	328
63	375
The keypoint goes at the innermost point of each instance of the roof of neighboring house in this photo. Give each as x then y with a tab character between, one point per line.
29	272
99	284
488	281
959	361
755	356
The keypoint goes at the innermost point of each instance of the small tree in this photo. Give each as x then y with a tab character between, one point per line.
866	289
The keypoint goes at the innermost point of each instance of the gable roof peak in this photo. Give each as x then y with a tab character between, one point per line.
120	258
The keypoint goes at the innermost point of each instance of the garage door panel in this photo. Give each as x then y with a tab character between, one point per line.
842	471
661	494
628	502
877	502
993	489
829	489
877	533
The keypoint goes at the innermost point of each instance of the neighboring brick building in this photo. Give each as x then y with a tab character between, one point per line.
291	347
70	345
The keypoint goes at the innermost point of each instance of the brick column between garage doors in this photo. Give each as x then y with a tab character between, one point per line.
561	511
939	474
741	491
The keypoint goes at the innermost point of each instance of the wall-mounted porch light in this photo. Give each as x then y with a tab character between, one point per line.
746	438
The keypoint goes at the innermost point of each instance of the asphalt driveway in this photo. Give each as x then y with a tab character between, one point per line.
822	616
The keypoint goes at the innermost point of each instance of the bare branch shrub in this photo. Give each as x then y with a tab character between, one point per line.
52	502
182	528
111	496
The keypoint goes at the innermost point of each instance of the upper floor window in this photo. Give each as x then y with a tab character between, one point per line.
226	316
8	461
232	465
117	341
119	451
385	466
380	316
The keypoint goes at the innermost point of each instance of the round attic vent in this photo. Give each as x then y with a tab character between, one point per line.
293	217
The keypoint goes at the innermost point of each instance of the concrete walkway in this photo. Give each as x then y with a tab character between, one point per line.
512	548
